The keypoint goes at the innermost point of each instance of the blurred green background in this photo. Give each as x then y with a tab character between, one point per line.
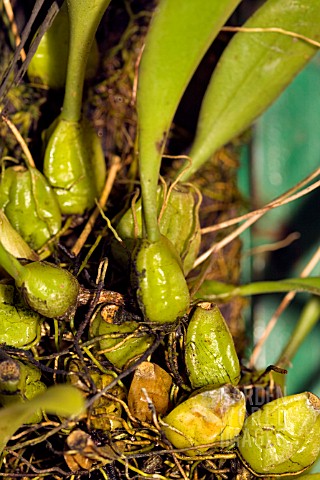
285	148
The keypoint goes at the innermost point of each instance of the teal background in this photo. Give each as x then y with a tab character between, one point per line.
285	149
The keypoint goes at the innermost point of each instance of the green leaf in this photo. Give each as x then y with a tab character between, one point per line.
12	240
310	315
85	16
63	400
49	63
212	290
252	72
179	35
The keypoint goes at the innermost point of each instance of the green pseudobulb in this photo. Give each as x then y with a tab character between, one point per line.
120	344
211	416
30	205
162	291
48	289
283	437
210	354
19	326
74	165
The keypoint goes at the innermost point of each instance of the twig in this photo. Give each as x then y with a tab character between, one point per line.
269	206
20	140
254	217
7	80
8	8
272	247
136	78
288	33
283	305
115	167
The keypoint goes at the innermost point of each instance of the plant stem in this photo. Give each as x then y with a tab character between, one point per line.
85	16
308	318
10	264
212	290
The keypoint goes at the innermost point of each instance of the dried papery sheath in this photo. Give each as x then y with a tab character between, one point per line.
211	416
282	437
210	354
9	375
179	222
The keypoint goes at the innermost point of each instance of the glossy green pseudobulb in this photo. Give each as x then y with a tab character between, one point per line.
30	204
49	63
210	355
178	37
162	290
74	165
252	72
120	345
48	289
25	383
282	437
179	223
211	416
74	161
19	326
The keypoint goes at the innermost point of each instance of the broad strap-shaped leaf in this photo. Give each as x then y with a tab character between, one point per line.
254	69
212	290
179	35
63	400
